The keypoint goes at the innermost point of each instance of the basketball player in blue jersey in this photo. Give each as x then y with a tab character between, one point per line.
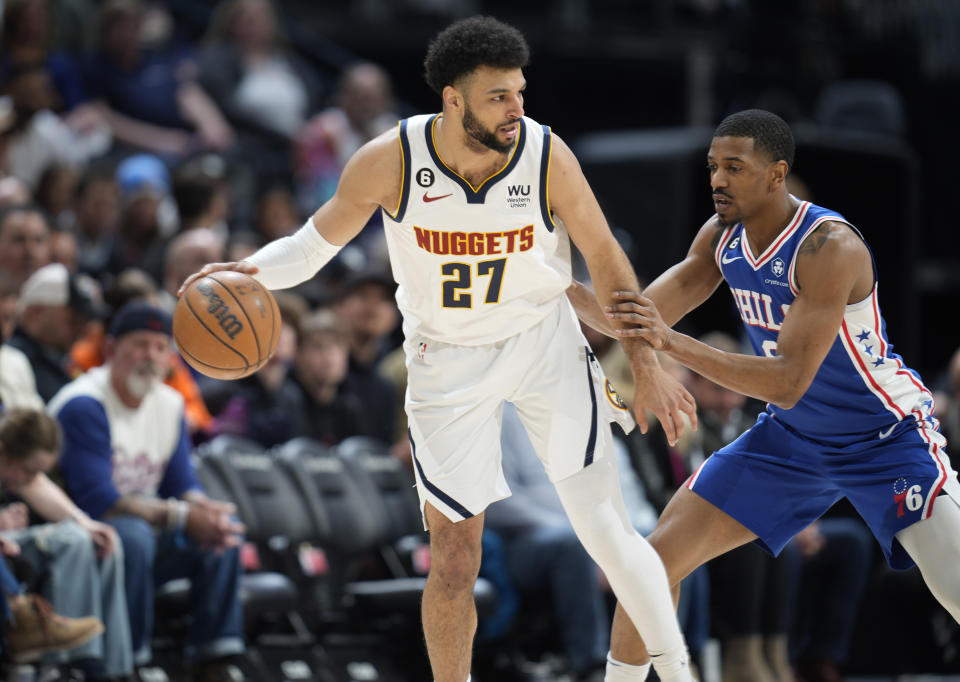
845	416
479	206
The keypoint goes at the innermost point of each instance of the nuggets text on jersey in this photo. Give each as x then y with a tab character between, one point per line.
474	243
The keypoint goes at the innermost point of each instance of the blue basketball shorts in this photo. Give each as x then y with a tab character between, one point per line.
776	482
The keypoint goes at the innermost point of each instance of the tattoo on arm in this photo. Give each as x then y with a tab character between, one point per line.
815	241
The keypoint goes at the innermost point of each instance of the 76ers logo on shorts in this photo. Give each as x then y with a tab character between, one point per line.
904	495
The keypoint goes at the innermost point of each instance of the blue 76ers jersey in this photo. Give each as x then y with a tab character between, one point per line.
475	265
862	390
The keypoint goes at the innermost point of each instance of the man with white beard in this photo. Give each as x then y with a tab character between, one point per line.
126	460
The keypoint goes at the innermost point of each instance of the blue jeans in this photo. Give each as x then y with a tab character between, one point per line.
552	558
78	584
8	586
152	559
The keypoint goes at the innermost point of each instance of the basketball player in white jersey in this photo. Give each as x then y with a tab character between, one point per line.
478	204
845	416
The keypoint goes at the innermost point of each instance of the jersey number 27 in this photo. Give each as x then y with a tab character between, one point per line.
461	275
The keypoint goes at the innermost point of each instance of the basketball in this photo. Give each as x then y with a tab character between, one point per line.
226	325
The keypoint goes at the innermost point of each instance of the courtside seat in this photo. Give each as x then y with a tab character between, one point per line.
268	501
392	479
345	506
365	522
238	471
259	592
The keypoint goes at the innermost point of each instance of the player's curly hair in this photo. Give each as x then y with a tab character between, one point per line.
770	133
467	44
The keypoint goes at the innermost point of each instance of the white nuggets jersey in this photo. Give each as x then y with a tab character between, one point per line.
475	265
863	388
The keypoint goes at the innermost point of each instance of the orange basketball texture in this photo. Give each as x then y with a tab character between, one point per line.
226	325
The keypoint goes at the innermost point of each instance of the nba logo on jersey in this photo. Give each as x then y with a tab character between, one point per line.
422	350
777	267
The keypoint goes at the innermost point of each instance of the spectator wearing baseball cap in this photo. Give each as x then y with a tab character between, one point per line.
51	311
126	460
148	215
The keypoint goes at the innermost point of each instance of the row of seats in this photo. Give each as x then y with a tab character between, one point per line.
352	509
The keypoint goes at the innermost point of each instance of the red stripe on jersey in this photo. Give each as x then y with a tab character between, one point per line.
773	248
866	372
940	481
721	246
693	478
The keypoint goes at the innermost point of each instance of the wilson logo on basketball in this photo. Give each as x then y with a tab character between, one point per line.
218	308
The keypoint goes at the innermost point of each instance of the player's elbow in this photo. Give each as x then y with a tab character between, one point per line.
790	391
785	401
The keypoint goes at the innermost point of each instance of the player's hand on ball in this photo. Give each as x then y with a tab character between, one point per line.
641	316
237	266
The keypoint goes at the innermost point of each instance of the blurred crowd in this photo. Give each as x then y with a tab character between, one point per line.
129	158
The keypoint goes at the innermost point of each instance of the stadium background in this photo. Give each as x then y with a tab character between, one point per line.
636	87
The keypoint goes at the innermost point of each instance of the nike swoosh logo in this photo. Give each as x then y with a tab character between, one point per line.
884	434
427	199
726	260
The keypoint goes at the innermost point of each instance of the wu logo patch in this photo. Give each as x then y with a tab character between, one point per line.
613	396
777	267
518	196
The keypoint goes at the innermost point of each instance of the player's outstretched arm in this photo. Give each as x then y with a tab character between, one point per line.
572	200
833	268
370	179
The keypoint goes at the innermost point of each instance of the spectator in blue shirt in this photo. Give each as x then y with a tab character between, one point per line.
127	460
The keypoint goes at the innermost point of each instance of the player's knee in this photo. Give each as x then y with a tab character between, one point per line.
455	562
456	572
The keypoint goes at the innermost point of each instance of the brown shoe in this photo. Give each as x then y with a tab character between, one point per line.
35	629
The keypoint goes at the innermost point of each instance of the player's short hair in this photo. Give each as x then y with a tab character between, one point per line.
470	43
25	431
770	133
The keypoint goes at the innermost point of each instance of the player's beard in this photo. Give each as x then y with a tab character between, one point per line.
475	130
143	379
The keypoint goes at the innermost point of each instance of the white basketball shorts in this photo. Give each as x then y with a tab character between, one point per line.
454	404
